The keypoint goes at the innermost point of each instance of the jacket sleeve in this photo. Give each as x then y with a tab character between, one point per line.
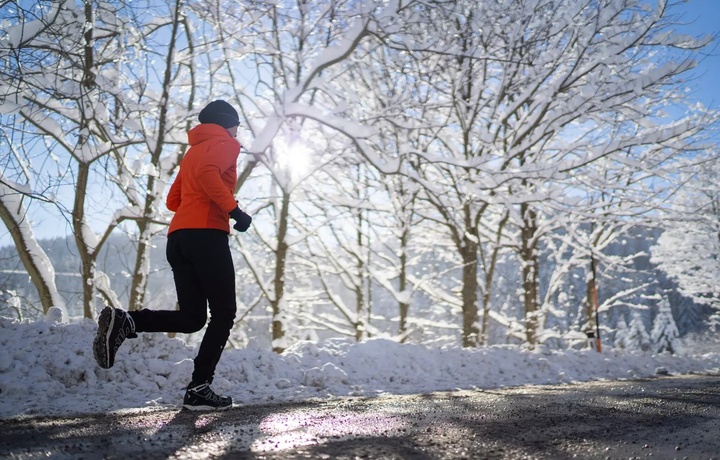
173	198
220	159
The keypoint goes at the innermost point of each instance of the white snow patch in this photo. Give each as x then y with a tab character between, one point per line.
47	368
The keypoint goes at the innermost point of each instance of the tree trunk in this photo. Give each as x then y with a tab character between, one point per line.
404	306
86	252
138	287
530	269
30	254
142	259
360	287
278	329
469	293
590	293
489	279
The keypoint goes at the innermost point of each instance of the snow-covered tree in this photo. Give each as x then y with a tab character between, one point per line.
531	96
13	213
475	155
637	337
297	52
61	87
621	333
664	335
98	99
398	239
688	251
164	105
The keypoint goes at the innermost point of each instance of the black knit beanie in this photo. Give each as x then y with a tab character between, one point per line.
219	113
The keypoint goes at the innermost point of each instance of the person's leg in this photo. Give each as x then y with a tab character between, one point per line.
203	271
192	301
215	271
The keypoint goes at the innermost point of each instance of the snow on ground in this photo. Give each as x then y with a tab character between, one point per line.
47	368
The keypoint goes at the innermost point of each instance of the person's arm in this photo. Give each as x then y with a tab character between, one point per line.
223	157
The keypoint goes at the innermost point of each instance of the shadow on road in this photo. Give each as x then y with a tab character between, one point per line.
662	418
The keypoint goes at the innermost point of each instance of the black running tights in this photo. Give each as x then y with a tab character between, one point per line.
204	276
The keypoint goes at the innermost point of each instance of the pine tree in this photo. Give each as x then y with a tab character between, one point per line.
621	333
637	338
664	335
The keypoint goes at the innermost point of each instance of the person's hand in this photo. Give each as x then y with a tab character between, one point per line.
242	220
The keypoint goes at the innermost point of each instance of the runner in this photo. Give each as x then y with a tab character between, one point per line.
198	252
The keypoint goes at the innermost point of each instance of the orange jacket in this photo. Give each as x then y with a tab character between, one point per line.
203	191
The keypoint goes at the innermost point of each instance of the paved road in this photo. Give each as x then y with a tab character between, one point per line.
670	417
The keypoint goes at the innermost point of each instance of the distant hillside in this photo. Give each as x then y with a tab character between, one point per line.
116	260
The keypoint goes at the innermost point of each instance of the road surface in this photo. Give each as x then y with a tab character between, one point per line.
662	418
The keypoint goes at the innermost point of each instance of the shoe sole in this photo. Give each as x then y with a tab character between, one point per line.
205	408
101	344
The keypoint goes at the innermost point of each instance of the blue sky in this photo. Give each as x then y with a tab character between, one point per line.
703	17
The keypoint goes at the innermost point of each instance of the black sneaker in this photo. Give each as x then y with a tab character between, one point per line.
201	397
114	326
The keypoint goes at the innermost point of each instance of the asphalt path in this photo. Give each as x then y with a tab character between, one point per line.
667	417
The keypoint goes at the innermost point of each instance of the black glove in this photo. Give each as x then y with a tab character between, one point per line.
242	220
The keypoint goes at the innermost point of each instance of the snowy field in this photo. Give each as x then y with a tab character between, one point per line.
47	368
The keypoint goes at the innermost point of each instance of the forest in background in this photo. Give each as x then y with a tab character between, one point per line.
434	326
434	171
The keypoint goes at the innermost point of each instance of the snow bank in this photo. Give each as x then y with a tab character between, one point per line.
47	368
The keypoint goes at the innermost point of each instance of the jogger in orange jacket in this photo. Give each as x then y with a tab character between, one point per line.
197	249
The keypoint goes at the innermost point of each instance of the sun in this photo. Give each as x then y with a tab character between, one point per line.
293	158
